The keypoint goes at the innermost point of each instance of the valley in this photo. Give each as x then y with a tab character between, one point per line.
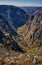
20	35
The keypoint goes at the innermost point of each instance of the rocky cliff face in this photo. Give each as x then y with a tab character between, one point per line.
32	30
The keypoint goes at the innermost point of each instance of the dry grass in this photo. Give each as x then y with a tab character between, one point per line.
9	57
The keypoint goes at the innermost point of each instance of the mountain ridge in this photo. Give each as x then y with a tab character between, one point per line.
14	14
